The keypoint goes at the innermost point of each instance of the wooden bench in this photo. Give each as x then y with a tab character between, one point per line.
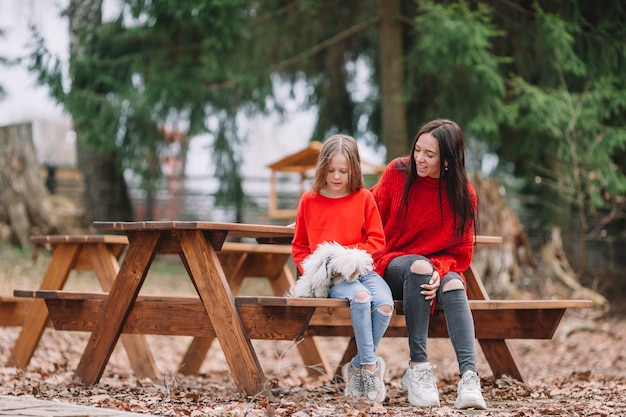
216	312
281	318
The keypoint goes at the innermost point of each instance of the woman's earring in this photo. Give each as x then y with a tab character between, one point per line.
445	168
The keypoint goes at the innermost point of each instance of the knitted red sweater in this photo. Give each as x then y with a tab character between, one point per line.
424	228
352	221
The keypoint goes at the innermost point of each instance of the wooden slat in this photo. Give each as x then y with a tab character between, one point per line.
233	229
332	303
92	238
487	239
474	304
179	318
287	323
278	318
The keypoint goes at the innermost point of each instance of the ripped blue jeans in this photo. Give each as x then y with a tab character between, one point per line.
406	286
368	322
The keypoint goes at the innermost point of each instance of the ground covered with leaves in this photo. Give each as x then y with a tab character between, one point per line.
580	372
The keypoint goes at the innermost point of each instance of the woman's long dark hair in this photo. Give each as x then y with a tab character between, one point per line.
452	170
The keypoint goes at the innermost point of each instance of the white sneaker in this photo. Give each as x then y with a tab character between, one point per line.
469	394
374	389
354	380
420	383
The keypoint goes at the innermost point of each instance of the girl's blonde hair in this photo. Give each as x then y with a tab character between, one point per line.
347	146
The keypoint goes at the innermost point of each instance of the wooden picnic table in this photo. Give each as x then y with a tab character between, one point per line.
197	244
234	321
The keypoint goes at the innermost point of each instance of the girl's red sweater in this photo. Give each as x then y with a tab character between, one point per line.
423	227
352	221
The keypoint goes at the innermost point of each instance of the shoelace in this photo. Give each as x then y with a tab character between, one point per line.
424	377
370	383
471	382
356	383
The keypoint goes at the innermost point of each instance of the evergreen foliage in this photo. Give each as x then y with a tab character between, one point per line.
540	83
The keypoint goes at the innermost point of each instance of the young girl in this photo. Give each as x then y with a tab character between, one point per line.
339	209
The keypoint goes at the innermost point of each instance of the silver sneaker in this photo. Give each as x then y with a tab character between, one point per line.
469	394
374	389
353	378
421	386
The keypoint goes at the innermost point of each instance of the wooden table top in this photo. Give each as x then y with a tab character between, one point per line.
233	230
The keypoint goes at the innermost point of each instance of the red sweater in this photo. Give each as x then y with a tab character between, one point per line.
352	221
420	230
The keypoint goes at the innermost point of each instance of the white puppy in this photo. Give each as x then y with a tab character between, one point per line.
330	264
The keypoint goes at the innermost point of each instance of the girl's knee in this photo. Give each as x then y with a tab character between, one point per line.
421	266
362	297
385	309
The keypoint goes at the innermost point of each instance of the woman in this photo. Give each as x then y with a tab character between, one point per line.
428	210
339	209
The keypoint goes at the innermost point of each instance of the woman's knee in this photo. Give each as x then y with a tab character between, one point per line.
422	267
451	282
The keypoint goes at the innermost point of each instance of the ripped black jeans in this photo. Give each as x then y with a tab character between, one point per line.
406	286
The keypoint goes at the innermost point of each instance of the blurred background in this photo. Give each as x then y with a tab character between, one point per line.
206	110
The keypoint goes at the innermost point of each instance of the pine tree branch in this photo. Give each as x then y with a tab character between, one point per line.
327	43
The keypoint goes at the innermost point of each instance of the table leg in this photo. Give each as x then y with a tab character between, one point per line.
106	267
196	352
61	264
501	358
212	286
116	307
498	353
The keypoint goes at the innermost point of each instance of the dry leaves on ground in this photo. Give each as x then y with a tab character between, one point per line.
581	372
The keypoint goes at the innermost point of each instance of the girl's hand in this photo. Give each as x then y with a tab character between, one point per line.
430	290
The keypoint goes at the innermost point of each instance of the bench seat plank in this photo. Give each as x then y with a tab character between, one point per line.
176	316
280	318
92	238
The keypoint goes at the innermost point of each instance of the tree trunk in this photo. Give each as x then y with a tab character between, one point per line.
393	107
25	204
106	193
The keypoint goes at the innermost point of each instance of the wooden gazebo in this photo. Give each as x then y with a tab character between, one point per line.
303	162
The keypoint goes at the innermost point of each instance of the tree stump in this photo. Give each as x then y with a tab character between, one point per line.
510	270
502	267
25	205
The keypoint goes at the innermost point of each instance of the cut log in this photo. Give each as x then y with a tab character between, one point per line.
25	205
